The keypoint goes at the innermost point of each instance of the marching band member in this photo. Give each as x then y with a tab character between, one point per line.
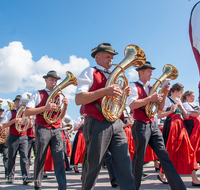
145	131
47	134
31	139
192	123
78	149
67	166
16	141
67	137
100	134
194	33
4	147
175	135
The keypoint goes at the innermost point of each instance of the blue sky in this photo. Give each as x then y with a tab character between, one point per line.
38	36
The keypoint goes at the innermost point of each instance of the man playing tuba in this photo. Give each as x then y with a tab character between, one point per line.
101	135
145	130
47	134
16	141
3	145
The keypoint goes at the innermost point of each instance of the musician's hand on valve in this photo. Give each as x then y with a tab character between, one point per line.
65	101
128	90
114	90
156	97
50	106
18	120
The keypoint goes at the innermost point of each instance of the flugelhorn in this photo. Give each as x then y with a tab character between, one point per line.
24	124
170	72
53	116
113	107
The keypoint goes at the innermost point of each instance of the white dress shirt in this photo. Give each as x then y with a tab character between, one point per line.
195	23
85	79
188	106
36	99
7	116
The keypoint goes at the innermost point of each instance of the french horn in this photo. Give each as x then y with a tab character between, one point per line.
4	133
170	72
24	124
113	107
53	116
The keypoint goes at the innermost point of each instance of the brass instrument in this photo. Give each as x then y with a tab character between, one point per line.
67	127
20	114
170	72
4	133
53	116
113	107
11	106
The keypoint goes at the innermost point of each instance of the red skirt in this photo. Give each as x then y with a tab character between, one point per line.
68	145
78	149
179	147
131	145
48	166
195	136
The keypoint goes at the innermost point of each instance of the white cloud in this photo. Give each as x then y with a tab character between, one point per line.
18	71
132	74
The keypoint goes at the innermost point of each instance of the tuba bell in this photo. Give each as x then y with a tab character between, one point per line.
170	72
24	124
113	107
53	116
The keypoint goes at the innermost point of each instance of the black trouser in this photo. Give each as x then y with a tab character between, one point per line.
144	134
16	143
108	161
65	154
100	137
52	137
31	144
4	151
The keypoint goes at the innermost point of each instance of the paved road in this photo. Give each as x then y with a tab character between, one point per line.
74	181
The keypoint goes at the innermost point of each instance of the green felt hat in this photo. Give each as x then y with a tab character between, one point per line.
103	47
145	66
18	97
52	74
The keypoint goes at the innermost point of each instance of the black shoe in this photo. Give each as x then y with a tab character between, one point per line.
27	180
195	184
76	171
68	169
45	176
144	176
114	184
158	177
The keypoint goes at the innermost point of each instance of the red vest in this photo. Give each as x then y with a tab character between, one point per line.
99	81
30	132
139	114
195	51
39	117
13	130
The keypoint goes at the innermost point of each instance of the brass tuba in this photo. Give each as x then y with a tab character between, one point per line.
4	133
113	107
170	72
20	114
53	116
